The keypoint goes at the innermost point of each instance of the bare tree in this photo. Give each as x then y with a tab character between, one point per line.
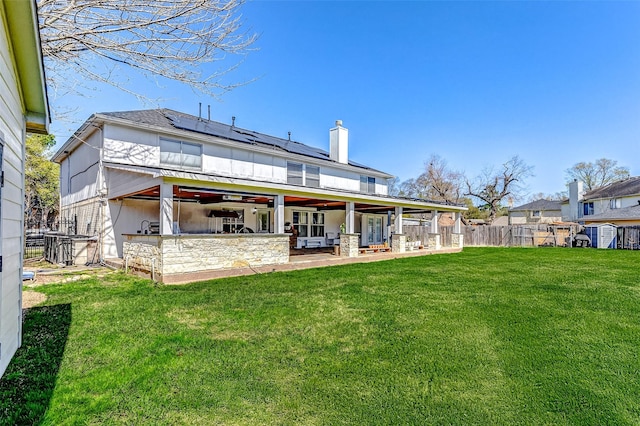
87	41
597	174
493	186
439	182
558	196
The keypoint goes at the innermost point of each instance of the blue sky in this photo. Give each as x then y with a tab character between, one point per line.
473	82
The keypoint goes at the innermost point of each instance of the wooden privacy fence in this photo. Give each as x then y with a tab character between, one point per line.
500	236
628	237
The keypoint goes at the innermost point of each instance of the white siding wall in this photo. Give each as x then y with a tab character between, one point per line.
138	147
79	172
130	146
11	212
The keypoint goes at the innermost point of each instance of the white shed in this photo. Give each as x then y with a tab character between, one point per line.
602	235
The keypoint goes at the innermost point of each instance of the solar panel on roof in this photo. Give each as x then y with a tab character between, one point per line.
214	128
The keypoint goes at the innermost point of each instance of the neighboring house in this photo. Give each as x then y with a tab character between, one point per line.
23	109
157	184
617	203
535	212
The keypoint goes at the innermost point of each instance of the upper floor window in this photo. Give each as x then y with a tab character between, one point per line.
303	174
614	203
587	209
294	173
312	176
182	154
535	213
368	184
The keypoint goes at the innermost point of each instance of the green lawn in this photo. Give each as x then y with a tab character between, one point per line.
488	336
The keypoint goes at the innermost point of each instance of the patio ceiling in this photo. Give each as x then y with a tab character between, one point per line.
209	196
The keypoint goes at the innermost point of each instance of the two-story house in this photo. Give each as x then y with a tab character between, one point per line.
536	212
24	109
182	193
617	203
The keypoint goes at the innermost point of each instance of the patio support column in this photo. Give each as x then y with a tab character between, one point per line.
350	217
434	232
457	225
166	209
434	222
398	239
278	213
398	221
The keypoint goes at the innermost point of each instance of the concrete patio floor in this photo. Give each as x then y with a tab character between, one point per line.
296	262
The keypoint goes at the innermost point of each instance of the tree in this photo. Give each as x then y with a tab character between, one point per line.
597	174
492	186
168	39
558	196
41	182
393	186
438	182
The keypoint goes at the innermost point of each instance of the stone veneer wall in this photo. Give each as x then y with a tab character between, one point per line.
398	243
457	240
176	254
434	242
349	245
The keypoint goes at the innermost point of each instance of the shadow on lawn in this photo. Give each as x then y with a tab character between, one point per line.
27	385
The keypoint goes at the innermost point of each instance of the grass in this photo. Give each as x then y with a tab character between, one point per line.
487	336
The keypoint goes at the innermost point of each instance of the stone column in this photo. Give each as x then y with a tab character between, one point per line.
166	209
349	245
398	243
434	241
457	240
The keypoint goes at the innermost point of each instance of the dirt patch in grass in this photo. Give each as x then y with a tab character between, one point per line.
32	298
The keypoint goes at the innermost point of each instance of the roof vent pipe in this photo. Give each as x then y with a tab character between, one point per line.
233	121
289	135
209	112
199	110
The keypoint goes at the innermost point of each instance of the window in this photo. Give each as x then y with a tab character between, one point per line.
303	174
317	224
368	184
587	209
535	213
614	203
294	173
309	224
234	222
312	176
182	154
300	223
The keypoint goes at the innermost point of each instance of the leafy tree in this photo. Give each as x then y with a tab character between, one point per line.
87	41
597	174
41	182
493	186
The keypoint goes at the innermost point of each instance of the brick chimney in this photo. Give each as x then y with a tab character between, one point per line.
339	143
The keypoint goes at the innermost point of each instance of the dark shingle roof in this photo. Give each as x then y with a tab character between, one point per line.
170	119
622	188
543	205
625	213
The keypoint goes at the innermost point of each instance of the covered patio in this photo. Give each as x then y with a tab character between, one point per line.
173	226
